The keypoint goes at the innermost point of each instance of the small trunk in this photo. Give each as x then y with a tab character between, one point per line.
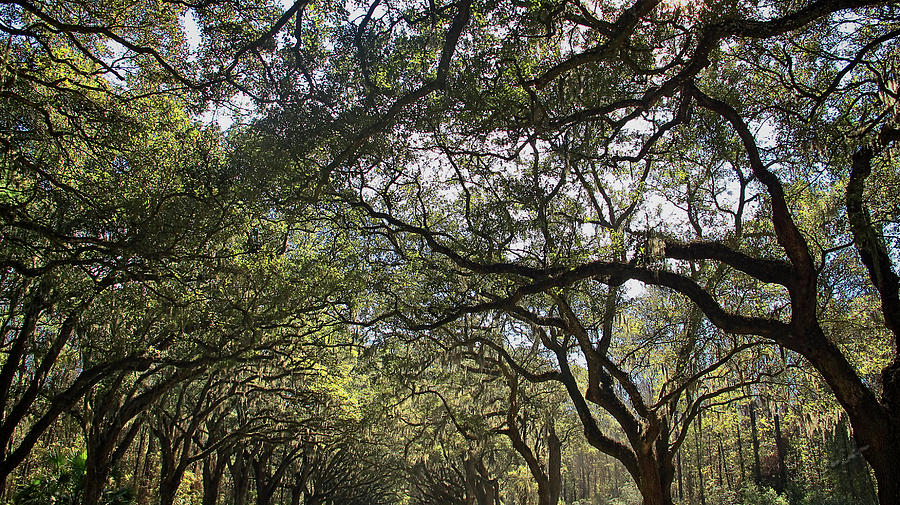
698	442
137	460
848	470
554	464
779	444
719	464
757	476
680	478
724	461
689	481
740	448
143	495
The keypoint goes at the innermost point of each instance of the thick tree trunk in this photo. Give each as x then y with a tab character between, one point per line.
94	482
12	415
656	468
168	488
479	489
878	437
241	489
877	429
240	477
264	494
886	466
105	450
171	473
97	469
875	420
655	483
213	469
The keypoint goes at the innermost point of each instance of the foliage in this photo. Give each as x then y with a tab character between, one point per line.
64	484
752	495
531	251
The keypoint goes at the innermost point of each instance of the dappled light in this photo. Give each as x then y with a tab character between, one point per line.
471	252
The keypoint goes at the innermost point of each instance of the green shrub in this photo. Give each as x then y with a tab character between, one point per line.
63	484
752	495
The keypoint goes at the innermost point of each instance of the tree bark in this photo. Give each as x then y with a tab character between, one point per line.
554	465
754	435
779	445
213	470
876	421
103	454
240	476
698	445
740	448
680	478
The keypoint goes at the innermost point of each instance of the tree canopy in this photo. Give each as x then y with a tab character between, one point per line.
468	251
